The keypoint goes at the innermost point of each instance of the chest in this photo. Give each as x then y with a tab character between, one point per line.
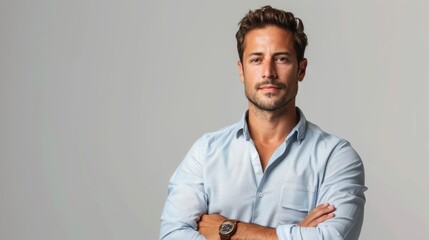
265	151
236	185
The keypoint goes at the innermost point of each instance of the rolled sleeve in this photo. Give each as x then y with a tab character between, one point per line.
294	232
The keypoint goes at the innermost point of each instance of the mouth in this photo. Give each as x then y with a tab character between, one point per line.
270	88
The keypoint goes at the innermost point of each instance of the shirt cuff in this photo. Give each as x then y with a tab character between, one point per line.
286	232
295	232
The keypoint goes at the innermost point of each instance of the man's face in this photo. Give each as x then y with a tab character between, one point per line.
270	70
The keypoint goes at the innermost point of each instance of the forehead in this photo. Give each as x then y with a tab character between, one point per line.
269	37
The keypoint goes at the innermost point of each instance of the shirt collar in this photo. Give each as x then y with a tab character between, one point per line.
242	127
298	132
301	126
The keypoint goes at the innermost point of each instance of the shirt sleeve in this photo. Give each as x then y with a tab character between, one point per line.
343	186
186	201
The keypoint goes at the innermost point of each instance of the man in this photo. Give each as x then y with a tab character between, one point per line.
273	175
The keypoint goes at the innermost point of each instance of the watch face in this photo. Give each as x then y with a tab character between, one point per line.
226	227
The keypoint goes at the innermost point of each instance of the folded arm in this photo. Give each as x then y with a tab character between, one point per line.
209	225
342	186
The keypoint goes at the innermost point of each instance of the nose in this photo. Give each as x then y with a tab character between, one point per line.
269	70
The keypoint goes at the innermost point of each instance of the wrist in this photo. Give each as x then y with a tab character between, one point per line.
227	229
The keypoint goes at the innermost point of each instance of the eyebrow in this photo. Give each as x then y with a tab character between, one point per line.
275	54
255	54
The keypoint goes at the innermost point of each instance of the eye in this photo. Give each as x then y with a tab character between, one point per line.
281	59
255	60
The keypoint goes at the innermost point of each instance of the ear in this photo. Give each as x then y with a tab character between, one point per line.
240	70
302	68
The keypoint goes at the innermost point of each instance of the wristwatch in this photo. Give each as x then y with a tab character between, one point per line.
227	229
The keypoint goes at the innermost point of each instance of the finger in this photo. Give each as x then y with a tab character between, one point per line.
321	214
316	221
321	210
323	207
317	215
321	219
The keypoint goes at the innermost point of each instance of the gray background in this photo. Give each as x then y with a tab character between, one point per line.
100	101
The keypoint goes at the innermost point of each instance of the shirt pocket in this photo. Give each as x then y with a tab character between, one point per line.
296	200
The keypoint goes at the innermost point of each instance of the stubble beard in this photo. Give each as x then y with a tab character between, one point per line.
269	106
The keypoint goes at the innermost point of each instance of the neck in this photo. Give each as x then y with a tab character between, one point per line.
271	126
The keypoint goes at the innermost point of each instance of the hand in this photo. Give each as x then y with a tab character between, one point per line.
209	224
318	215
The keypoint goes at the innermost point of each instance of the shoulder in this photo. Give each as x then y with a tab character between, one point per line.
329	143
315	134
336	154
219	137
225	133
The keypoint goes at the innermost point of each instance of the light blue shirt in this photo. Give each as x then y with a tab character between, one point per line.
222	173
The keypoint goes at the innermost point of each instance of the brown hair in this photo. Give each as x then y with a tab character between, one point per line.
267	15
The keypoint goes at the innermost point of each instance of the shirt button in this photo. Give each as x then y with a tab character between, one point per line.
260	194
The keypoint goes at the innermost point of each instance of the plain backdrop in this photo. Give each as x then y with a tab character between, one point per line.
101	100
